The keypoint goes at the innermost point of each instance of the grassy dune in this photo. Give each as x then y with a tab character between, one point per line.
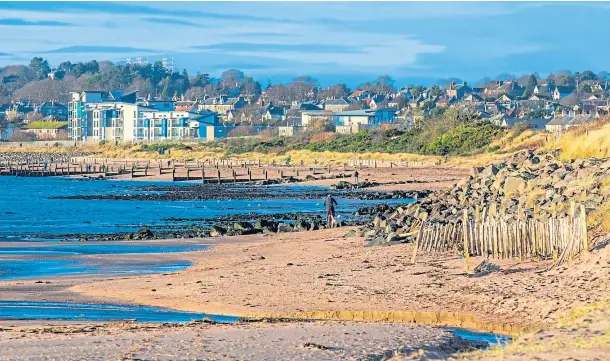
591	140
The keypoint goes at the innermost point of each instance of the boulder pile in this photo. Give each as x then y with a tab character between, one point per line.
266	226
533	184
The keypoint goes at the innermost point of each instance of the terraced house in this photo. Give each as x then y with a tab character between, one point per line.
96	116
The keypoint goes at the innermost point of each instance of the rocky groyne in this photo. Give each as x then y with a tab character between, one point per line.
527	185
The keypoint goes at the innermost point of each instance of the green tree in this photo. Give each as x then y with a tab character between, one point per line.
200	80
436	91
531	84
65	66
416	91
586	88
587	75
40	67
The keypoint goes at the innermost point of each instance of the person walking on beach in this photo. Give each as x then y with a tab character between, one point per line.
330	204
356	176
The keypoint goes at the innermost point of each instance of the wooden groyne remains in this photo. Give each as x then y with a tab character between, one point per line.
211	170
495	236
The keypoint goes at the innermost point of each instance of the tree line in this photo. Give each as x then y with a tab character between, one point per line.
38	82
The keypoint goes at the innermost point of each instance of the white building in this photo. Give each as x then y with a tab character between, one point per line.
110	116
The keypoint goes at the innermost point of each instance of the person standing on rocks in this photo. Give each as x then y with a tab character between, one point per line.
356	176
330	204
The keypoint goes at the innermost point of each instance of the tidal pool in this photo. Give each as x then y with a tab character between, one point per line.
22	310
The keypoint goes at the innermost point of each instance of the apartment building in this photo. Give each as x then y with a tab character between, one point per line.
107	116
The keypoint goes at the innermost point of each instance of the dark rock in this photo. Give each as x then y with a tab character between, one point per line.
217	231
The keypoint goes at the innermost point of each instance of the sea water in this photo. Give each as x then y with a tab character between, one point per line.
28	211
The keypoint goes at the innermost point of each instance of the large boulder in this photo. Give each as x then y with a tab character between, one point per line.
284	227
143	233
264	223
489	171
243	226
514	185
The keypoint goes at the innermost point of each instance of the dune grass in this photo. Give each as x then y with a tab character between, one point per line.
588	140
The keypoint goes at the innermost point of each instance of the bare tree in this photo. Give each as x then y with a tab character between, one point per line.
43	90
334	92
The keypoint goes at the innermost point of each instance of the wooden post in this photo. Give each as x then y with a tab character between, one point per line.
218	176
202	174
188	174
234	176
583	230
174	174
465	234
416	244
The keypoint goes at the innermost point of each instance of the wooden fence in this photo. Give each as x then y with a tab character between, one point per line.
561	238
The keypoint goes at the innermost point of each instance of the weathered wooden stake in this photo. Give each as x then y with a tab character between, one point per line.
583	230
465	234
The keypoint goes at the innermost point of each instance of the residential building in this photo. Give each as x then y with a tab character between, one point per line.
543	90
337	105
110	116
578	120
186	106
359	95
309	106
458	91
98	115
356	120
310	118
377	101
53	110
558	124
561	92
472	98
536	123
290	131
53	130
161	105
18	110
273	113
222	104
498	88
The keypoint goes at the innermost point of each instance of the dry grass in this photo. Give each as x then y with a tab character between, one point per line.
589	140
599	219
573	335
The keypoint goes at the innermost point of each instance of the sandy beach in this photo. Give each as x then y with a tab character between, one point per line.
322	274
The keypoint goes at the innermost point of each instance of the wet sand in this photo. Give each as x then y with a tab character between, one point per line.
259	341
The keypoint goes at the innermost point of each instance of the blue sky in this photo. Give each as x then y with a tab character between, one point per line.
349	42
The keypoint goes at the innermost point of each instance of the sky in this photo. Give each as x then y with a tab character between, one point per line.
349	42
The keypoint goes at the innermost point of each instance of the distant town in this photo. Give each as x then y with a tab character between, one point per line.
147	103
